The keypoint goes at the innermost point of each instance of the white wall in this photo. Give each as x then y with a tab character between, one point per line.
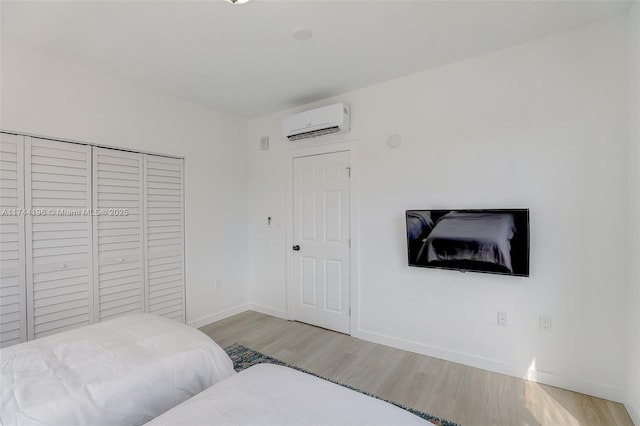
632	401
541	125
45	96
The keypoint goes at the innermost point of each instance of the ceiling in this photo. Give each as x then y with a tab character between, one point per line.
243	59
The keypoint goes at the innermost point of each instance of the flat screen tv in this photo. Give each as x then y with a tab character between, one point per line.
492	241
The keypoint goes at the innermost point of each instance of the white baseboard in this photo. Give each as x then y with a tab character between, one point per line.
208	319
279	313
601	390
633	412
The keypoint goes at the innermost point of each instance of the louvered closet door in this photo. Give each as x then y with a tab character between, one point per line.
13	320
164	236
118	241
58	236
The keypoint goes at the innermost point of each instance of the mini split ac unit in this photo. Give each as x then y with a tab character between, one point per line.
317	122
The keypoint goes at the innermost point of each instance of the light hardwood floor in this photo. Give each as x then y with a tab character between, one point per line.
466	395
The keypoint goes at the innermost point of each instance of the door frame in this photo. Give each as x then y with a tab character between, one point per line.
354	261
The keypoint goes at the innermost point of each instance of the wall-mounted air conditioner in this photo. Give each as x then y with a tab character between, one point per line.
317	122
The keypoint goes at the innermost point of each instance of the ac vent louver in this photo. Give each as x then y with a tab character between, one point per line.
315	133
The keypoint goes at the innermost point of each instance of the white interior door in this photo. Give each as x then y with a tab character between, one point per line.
118	229
321	240
164	236
58	236
13	319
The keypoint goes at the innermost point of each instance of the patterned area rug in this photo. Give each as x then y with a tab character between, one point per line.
244	357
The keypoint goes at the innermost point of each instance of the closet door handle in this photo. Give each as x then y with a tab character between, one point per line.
296	248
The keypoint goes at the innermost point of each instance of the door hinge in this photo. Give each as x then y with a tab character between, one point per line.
348	171
349	311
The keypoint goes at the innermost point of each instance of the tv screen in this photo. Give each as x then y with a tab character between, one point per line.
492	241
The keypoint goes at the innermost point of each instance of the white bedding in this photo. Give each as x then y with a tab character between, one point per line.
268	394
124	371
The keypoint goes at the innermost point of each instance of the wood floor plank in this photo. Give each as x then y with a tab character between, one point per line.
465	395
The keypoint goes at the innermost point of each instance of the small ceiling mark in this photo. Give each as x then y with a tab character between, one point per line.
301	33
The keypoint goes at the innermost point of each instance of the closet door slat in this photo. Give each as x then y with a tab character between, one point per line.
118	232
164	236
13	315
59	238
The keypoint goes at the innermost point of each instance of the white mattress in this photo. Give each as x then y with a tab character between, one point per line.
125	371
268	394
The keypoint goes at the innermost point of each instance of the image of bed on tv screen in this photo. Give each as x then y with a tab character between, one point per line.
494	241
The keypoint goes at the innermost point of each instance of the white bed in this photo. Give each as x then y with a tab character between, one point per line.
268	394
124	371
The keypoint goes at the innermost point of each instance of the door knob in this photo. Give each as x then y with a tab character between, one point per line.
296	248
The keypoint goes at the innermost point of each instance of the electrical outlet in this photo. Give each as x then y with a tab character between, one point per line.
502	319
545	324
